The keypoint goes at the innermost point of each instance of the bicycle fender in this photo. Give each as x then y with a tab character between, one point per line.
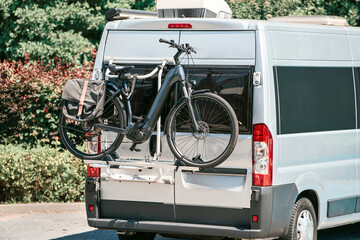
200	91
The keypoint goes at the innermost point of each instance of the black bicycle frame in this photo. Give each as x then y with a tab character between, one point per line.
140	133
175	75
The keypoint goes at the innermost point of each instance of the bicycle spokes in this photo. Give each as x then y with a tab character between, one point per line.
212	136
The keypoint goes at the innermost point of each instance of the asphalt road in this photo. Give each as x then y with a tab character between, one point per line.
73	226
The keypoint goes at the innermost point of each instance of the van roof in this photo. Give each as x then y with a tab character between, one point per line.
225	24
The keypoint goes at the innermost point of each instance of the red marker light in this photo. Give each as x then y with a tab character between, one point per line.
180	25
255	218
93	172
91	208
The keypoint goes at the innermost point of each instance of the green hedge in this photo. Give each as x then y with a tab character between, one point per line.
30	95
40	174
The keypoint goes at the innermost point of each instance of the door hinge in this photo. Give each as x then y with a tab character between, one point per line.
257	78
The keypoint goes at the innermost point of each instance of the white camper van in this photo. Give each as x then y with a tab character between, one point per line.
295	89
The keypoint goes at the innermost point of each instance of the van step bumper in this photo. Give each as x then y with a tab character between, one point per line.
172	228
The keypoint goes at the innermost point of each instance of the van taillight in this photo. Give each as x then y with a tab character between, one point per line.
262	155
93	172
94	146
179	25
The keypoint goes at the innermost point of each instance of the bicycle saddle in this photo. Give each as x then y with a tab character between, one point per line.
118	69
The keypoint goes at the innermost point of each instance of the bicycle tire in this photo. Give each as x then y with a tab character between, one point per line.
114	115
219	126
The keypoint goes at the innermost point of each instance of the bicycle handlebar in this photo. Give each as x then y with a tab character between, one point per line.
181	48
166	41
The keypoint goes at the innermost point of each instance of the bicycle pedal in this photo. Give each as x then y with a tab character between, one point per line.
132	148
197	159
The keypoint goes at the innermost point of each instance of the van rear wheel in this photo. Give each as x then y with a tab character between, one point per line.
303	224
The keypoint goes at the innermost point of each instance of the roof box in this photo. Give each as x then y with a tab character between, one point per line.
315	19
193	9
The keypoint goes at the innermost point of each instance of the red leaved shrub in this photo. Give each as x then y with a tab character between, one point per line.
30	94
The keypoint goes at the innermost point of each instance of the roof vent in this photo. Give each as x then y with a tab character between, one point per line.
193	9
316	19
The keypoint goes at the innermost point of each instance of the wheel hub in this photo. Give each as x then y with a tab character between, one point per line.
305	226
203	132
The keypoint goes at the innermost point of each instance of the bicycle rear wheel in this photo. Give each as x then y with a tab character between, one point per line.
217	135
85	141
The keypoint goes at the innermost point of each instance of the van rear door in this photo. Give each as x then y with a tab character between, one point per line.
223	64
142	189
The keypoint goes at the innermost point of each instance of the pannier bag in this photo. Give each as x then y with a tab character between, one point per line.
83	99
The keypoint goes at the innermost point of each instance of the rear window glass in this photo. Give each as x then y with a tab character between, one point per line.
226	48
233	84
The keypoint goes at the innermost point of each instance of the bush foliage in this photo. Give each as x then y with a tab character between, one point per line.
53	28
40	174
30	96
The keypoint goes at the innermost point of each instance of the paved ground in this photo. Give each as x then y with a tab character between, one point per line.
73	226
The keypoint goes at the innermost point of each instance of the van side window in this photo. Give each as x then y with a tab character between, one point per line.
312	99
233	84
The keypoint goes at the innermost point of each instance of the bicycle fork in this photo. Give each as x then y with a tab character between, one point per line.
187	96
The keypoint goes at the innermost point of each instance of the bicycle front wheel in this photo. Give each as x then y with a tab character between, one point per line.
85	140
215	138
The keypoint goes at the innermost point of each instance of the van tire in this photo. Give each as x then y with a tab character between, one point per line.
303	210
137	236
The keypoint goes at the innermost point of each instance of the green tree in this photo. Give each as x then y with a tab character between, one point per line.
264	9
53	28
148	5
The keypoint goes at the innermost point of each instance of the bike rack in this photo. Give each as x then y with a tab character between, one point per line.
158	124
138	164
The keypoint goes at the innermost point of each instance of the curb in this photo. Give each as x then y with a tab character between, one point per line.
41	208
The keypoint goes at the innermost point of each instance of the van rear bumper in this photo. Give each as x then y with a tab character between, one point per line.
173	228
272	206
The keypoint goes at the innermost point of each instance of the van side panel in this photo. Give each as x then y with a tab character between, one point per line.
316	114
